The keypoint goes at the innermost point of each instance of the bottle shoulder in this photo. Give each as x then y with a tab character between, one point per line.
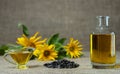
103	33
102	30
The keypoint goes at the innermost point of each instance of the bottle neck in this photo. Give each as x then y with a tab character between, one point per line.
103	25
103	21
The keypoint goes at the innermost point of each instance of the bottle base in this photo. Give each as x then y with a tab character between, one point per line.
102	66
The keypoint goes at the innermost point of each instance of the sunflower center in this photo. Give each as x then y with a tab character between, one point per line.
32	44
71	48
46	53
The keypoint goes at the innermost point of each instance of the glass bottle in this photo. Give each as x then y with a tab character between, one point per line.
102	45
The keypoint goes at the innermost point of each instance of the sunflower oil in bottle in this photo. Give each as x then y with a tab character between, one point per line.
102	45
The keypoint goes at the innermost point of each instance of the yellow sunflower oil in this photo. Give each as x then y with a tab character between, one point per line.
21	57
102	45
101	49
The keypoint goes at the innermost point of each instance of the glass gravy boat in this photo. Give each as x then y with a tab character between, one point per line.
20	57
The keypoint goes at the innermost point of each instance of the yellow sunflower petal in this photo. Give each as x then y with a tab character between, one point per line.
51	47
47	52
36	52
40	57
34	36
22	41
51	58
25	37
36	39
71	40
72	55
33	41
73	48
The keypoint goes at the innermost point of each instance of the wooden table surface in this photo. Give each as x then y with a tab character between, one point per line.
36	67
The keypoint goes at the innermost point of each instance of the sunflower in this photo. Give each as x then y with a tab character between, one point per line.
33	41
73	48
45	52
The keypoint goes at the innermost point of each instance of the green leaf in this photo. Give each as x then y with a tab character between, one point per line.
68	56
53	39
60	57
58	46
25	29
61	54
3	48
62	40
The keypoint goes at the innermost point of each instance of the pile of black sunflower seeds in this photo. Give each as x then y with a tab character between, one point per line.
61	64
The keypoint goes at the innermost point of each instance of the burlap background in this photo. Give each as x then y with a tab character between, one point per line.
70	18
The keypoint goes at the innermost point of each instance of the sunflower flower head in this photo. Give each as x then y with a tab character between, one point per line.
45	52
33	41
73	48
